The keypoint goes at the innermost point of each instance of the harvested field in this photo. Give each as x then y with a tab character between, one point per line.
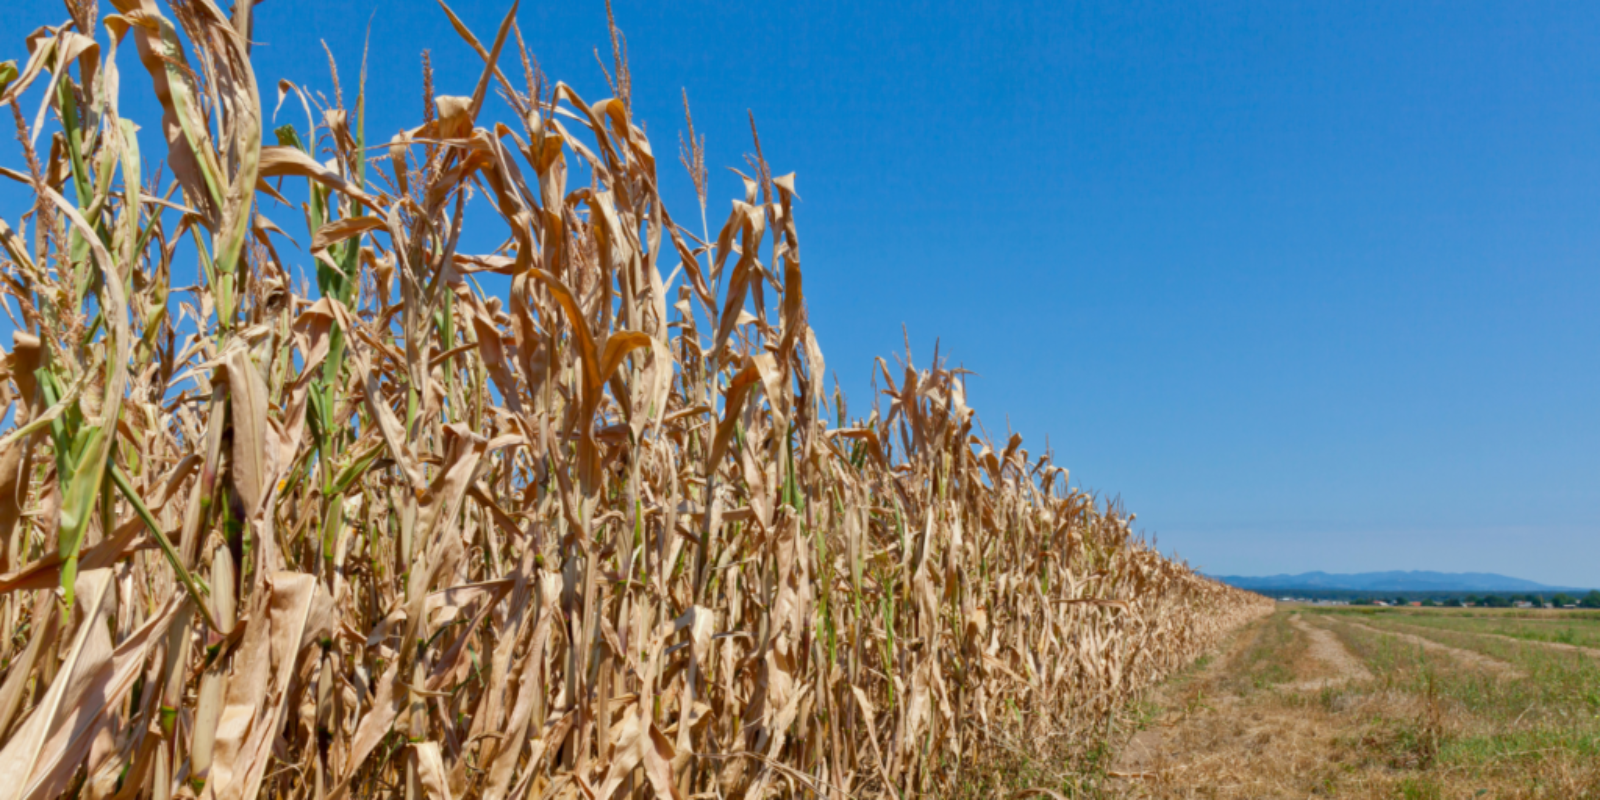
609	534
1465	657
1433	714
1573	631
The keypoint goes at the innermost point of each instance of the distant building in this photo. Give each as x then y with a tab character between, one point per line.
1417	603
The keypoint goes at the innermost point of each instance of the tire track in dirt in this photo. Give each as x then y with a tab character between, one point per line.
1326	648
1466	657
1241	745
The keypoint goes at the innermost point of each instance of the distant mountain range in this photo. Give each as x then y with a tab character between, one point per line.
1391	582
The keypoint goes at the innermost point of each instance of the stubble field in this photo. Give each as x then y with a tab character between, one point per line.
1378	703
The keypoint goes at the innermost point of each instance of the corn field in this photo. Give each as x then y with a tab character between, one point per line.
608	535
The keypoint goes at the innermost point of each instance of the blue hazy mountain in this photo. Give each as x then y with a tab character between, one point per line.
1392	582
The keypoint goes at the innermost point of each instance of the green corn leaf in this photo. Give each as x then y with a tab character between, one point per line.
197	590
77	504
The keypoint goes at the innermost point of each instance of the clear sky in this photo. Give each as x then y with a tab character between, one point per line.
1309	285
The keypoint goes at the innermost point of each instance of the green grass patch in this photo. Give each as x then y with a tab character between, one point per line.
1268	659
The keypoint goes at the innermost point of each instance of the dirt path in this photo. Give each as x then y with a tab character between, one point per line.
1326	648
1221	738
1467	657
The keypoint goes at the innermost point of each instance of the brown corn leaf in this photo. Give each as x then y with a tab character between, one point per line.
252	468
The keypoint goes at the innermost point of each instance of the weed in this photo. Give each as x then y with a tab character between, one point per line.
1420	788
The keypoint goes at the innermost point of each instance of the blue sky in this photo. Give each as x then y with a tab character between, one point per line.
1309	285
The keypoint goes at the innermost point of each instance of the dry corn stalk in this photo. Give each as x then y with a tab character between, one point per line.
399	537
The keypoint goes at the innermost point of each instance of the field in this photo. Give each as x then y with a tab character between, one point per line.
1379	703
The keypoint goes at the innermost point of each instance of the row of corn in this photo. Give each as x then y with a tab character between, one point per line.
604	533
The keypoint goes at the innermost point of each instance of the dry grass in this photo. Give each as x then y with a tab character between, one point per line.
1416	722
398	537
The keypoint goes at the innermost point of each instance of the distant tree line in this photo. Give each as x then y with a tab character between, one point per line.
1457	600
